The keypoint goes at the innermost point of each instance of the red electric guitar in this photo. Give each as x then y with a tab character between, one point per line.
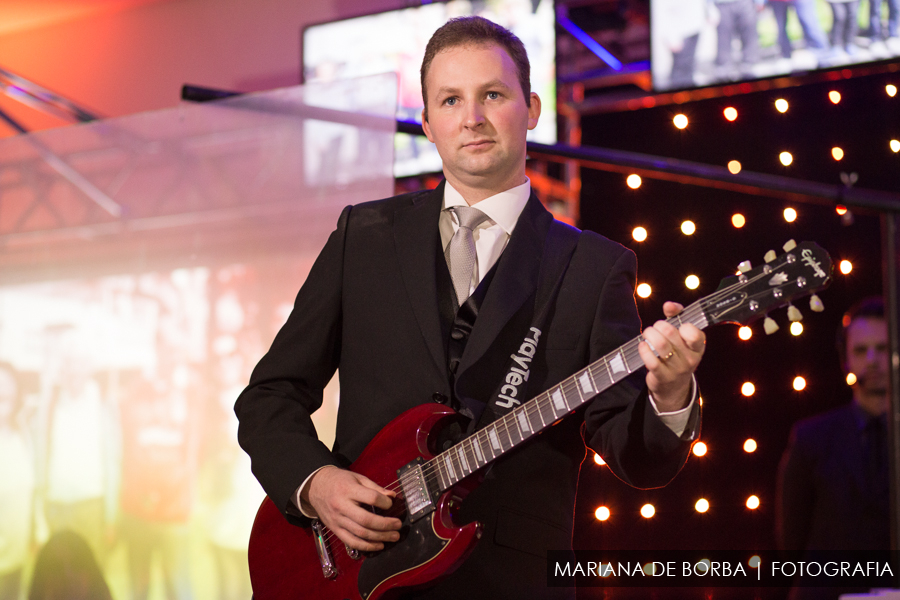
289	562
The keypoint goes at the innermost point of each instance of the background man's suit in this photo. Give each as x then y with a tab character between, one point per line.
833	489
370	308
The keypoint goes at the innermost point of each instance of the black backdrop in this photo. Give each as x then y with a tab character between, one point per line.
862	124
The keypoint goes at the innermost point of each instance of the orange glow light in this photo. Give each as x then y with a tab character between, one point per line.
781	105
644	290
840	209
633	181
851	378
750	445
837	153
647	511
680	121
799	383
745	333
602	513
753	502
699	449
748	389
786	158
702	505
845	266
790	215
599	459
738	220
639	234
731	113
834	96
734	167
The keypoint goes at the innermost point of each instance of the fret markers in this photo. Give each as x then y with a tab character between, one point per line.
585	382
495	441
523	422
477	448
450	468
617	364
558	401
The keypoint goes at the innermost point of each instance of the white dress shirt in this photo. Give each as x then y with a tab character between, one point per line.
491	237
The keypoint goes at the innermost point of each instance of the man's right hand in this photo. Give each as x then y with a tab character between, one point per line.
338	497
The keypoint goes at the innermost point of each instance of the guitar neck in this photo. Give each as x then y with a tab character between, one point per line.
529	419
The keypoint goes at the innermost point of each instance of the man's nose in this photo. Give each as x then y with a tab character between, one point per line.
474	115
872	355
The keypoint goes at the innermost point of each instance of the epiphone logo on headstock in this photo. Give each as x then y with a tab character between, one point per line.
728	302
813	264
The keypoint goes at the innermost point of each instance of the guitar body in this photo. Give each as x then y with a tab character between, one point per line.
283	559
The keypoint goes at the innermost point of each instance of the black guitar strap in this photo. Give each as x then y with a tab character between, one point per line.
513	389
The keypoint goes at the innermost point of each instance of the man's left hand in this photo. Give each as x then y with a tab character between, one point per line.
678	352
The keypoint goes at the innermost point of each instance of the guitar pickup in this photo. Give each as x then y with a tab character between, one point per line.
418	496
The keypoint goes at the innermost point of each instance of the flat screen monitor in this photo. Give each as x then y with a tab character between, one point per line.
395	41
707	42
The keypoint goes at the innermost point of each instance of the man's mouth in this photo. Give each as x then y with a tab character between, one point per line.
478	144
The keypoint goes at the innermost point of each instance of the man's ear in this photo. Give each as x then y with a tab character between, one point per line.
534	111
426	127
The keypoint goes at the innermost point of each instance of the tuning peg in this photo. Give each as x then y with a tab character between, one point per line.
794	314
770	326
770	256
789	245
744	266
815	304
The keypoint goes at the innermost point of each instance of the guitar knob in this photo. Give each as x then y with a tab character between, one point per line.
770	326
789	245
770	256
744	266
794	314
815	304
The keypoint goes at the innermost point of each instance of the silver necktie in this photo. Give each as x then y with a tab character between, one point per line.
460	252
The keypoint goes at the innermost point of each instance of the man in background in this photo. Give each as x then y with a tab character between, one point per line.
833	479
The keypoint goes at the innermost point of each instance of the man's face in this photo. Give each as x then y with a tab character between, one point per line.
478	118
867	358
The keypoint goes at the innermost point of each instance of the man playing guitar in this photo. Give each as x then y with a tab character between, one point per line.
383	304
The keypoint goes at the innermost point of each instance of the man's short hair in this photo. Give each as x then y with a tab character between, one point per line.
465	31
867	308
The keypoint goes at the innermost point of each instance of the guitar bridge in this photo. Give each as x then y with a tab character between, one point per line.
418	497
325	560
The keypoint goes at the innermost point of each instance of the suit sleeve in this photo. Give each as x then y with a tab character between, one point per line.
620	424
286	386
795	495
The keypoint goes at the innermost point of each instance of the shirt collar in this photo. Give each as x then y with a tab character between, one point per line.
503	208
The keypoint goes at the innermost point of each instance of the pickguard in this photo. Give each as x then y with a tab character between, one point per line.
419	543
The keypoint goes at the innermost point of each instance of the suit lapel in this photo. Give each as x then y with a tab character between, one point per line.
416	238
514	282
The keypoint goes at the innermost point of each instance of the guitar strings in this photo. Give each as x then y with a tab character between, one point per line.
569	385
629	351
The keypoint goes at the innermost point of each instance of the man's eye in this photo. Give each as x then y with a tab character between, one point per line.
493	95
450	101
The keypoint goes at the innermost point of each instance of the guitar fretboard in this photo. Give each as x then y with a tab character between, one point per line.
517	426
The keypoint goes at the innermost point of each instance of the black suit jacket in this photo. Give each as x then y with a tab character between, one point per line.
828	496
369	307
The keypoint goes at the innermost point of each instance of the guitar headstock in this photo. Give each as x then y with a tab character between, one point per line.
801	270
